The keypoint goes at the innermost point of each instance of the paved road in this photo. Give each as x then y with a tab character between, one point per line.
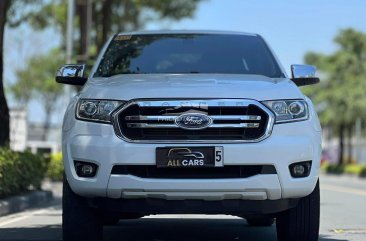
343	218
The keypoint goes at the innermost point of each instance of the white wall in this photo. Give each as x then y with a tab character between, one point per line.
18	129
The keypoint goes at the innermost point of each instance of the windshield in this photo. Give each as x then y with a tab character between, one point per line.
188	53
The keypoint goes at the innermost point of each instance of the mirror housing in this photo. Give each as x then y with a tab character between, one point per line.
71	74
304	74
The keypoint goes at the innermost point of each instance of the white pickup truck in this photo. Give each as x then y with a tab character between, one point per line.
190	122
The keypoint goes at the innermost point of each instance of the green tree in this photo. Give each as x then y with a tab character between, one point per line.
37	81
341	93
10	12
128	15
109	16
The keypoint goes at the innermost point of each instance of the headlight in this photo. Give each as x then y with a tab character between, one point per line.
96	110
288	110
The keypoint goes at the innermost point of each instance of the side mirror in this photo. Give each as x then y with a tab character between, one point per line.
71	74
304	74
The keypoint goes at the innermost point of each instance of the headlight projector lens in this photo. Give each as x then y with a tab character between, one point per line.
90	108
296	108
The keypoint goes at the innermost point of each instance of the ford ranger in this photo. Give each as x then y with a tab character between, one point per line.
190	122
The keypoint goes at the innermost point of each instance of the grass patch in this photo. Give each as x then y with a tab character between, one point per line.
351	169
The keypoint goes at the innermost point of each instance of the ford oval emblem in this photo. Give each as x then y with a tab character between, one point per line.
193	121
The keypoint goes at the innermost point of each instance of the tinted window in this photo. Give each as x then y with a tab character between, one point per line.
188	53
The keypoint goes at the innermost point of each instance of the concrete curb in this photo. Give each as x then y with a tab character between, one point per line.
19	203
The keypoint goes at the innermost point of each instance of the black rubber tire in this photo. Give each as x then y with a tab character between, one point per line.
79	222
131	216
260	222
110	221
302	222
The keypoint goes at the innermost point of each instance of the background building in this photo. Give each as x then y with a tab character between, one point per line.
25	135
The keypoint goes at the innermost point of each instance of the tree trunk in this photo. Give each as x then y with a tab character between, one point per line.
341	144
82	11
106	22
47	122
4	110
349	144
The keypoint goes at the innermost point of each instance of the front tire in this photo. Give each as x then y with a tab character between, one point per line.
302	222
79	221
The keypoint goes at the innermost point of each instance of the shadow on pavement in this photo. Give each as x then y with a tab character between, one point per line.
157	229
175	229
327	238
38	233
160	229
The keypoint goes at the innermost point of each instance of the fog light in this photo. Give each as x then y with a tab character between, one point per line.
85	169
300	169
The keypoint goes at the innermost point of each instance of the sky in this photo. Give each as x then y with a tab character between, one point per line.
291	27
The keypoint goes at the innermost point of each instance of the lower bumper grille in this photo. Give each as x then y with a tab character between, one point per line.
237	171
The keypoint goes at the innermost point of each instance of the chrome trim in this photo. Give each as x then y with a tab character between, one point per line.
303	71
157	126
193	102
179	124
71	70
240	125
236	117
172	117
150	117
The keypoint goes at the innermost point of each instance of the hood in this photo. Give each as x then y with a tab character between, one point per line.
135	86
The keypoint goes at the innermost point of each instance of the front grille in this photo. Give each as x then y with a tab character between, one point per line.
239	120
242	171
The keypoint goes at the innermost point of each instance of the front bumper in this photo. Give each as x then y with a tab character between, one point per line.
149	206
97	143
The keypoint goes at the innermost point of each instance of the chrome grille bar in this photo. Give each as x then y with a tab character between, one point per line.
172	117
236	117
148	125
233	121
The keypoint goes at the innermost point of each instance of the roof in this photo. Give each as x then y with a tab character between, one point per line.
145	32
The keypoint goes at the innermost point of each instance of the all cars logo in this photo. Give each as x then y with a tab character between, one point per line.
184	157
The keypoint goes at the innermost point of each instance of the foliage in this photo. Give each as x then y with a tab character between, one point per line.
335	169
351	169
10	15
55	168
363	172
21	13
354	169
342	88
20	172
340	97
37	81
324	166
111	16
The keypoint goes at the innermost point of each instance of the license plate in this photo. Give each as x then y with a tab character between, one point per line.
190	157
